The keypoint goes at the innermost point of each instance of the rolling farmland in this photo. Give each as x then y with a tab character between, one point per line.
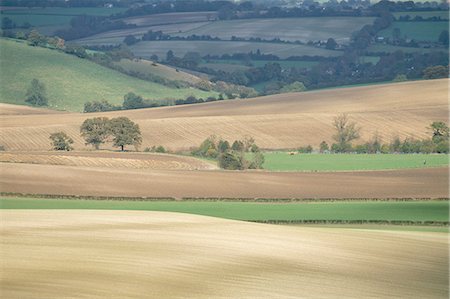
179	48
109	159
423	31
107	181
276	122
291	29
71	81
136	254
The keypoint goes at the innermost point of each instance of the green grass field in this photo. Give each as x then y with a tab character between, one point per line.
147	48
372	210
282	161
71	81
420	31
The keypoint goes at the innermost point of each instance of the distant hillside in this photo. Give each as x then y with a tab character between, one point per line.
71	81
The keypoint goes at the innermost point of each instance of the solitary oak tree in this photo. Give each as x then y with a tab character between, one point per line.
125	132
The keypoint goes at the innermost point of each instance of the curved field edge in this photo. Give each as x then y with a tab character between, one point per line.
49	254
422	212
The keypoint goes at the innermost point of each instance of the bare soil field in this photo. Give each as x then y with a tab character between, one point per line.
9	109
108	159
276	122
118	254
107	181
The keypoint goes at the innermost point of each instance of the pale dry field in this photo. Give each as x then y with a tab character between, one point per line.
123	254
275	122
108	159
107	181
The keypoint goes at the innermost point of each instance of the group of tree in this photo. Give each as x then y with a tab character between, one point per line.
121	131
240	155
347	131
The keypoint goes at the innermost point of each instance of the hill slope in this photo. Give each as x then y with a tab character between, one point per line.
70	81
276	122
51	254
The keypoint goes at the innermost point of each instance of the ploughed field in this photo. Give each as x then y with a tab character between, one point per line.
54	254
275	122
108	159
107	181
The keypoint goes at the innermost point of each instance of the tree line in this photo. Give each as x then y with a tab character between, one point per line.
347	131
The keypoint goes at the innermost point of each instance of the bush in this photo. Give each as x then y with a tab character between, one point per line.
36	94
61	141
305	149
230	161
156	149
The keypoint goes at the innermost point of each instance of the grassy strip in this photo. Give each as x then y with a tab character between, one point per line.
213	199
358	222
282	161
408	212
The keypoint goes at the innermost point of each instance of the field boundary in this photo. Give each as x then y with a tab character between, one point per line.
337	221
214	199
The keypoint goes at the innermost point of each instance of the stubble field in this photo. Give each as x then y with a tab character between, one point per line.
152	254
275	122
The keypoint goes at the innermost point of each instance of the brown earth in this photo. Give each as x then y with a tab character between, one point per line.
276	122
102	181
108	159
133	254
9	109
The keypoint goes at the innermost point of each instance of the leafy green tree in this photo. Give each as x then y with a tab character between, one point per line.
130	40
440	131
133	101
294	87
125	132
400	78
61	141
36	94
230	161
324	147
346	132
223	146
238	146
96	131
435	72
99	106
35	38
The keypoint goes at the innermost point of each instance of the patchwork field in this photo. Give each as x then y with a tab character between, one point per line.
71	81
172	18
107	181
53	17
376	48
179	48
275	122
108	159
282	161
137	254
292	29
